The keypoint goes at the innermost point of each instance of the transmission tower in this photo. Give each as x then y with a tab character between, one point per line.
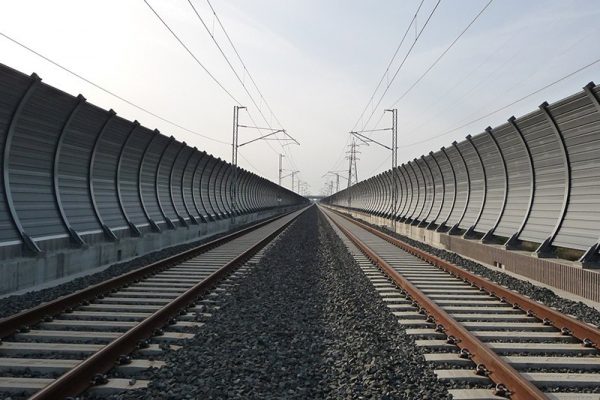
352	158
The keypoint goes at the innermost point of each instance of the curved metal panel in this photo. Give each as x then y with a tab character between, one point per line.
176	185
222	189
27	241
478	186
399	193
161	183
422	184
230	175
416	190
74	174
90	178
450	189
407	195
206	187
462	186
105	177
473	186
431	190
199	188
187	185
498	183
440	191
578	119
519	166
550	176
13	87
130	184
75	237
545	247
592	252
215	189
143	179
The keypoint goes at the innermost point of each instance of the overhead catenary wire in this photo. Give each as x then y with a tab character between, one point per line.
512	103
243	63
437	60
408	53
240	80
412	21
189	51
385	73
192	54
389	83
109	92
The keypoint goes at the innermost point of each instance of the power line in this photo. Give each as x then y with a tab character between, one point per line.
389	64
202	65
399	67
192	54
443	54
228	62
379	166
210	33
251	165
97	86
243	64
289	154
507	105
403	62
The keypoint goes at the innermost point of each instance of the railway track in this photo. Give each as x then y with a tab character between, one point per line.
485	341
61	348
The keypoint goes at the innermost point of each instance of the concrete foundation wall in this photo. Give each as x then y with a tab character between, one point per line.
28	272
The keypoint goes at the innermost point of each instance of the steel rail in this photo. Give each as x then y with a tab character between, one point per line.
498	370
10	325
80	378
576	328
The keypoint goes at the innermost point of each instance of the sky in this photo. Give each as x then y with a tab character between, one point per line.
316	64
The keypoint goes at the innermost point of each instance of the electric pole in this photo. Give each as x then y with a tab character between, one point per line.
394	209
293	175
337	178
280	166
394	148
234	157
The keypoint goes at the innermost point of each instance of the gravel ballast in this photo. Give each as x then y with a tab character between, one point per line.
544	295
305	323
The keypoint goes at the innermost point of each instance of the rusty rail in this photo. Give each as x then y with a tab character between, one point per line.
80	377
576	328
498	370
13	323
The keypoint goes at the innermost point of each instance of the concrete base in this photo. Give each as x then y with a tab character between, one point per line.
556	273
29	272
